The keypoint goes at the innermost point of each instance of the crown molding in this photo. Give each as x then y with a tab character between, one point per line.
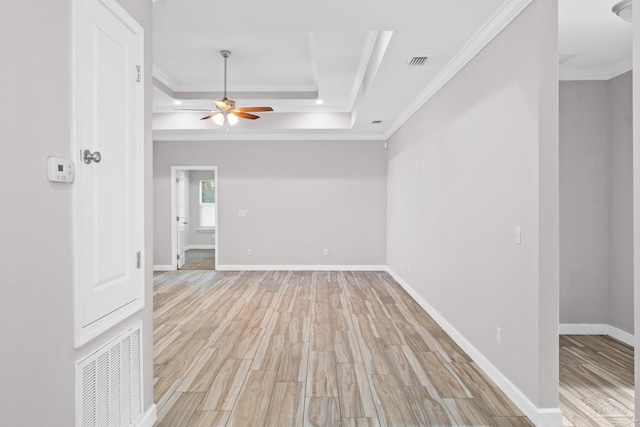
598	74
208	135
498	22
367	52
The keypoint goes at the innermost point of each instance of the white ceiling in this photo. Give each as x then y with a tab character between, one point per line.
594	44
352	55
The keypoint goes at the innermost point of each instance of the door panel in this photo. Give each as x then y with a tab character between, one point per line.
181	209
108	195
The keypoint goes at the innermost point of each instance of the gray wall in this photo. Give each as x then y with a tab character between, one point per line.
596	212
300	197
474	162
36	296
621	204
194	237
584	201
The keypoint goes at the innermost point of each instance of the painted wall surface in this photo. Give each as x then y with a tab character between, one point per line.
300	198
596	218
636	193
36	296
584	201
621	203
462	173
195	237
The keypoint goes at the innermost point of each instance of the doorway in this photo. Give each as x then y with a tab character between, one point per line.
596	216
194	214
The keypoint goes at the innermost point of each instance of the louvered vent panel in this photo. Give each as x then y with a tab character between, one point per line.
417	61
110	383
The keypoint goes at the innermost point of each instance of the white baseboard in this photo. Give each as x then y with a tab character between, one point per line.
548	417
301	268
164	267
186	248
149	417
597	329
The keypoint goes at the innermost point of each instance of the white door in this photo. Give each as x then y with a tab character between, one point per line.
181	209
109	123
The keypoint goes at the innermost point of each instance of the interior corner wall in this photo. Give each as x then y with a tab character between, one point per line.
621	203
195	237
584	201
596	214
300	198
36	296
463	172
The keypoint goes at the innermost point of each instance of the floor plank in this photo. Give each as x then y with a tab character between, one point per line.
596	372
345	349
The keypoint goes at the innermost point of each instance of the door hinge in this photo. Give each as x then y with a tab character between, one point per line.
177	218
178	257
139	71
139	259
177	180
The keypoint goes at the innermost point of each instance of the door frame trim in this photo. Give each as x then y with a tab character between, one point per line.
174	196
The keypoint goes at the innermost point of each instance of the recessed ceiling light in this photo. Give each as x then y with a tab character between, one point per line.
176	102
319	101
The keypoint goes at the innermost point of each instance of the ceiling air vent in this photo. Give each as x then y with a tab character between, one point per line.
417	61
376	122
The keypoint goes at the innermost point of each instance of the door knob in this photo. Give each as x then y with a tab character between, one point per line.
89	157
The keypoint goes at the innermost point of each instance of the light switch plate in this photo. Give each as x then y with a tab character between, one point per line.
518	236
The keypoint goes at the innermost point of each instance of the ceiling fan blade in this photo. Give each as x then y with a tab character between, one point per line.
221	105
254	109
246	115
209	116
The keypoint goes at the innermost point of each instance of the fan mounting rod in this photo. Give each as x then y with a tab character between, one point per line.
225	54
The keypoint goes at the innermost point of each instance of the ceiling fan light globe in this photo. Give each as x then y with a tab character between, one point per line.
233	119
218	119
623	10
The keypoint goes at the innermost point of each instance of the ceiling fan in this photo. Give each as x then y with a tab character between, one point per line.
227	111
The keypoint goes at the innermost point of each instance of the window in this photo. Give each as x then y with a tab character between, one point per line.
207	203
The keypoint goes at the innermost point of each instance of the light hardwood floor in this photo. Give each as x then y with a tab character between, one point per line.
310	348
199	259
596	372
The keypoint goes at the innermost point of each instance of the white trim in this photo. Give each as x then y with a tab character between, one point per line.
605	74
621	335
188	248
513	392
365	58
597	329
165	267
301	268
498	22
184	135
149	417
549	417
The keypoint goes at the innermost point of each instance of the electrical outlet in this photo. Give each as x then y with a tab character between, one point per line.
242	213
518	235
248	251
325	252
499	335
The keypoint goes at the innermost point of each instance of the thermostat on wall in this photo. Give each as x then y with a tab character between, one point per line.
60	170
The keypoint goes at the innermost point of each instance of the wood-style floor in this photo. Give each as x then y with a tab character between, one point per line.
310	348
199	259
596	381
